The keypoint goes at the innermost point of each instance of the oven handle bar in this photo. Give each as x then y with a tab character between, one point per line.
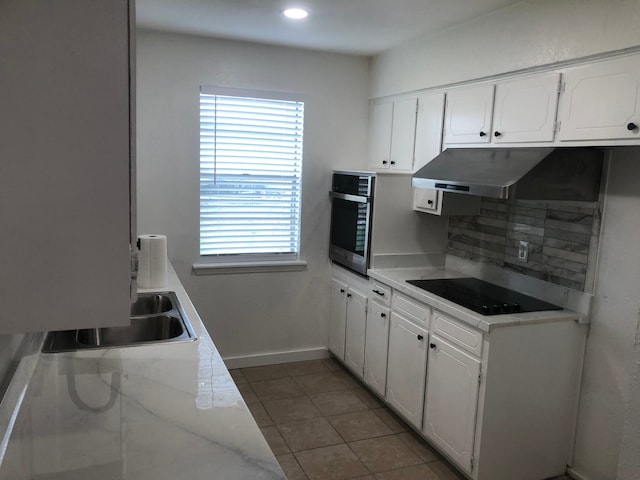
350	198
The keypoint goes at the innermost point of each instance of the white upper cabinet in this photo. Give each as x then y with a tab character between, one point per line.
403	134
525	110
380	122
468	115
522	110
428	142
66	158
392	129
601	101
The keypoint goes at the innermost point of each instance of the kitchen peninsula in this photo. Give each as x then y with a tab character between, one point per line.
148	412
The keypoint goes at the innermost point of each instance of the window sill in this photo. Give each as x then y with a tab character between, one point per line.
203	268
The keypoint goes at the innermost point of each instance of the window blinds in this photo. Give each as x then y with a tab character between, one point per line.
250	175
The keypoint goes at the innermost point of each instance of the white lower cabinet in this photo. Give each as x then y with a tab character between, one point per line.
451	400
356	321
499	404
376	347
337	317
406	368
348	318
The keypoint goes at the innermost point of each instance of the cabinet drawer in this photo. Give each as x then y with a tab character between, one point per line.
415	311
381	293
457	333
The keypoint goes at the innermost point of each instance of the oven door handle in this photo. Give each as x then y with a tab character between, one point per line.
350	198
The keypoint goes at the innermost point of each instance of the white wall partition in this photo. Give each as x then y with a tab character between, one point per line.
248	313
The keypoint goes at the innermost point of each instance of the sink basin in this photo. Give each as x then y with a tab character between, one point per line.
156	318
151	304
143	329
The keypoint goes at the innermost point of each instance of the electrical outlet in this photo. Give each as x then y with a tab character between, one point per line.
523	251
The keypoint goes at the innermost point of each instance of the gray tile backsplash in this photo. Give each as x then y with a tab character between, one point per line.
563	238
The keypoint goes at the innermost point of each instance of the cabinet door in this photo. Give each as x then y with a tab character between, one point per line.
429	123
376	344
403	134
426	200
601	101
468	115
337	318
355	332
525	110
451	400
65	161
380	124
406	368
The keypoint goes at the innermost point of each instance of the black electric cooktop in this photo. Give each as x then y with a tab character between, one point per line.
483	297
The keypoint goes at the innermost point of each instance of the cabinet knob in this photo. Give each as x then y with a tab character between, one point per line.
342	290
420	337
383	315
429	202
482	134
432	346
496	134
384	162
393	162
631	126
348	295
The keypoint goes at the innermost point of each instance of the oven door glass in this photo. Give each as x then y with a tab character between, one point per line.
350	225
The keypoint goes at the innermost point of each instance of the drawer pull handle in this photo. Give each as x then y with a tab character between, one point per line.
379	292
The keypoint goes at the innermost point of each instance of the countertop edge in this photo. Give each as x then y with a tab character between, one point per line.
396	278
237	448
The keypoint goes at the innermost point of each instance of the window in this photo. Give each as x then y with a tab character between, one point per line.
250	176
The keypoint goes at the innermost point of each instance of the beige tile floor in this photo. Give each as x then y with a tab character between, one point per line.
322	424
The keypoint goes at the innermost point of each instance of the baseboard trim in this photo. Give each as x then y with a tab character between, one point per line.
276	357
575	475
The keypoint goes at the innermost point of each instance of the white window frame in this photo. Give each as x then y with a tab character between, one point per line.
250	262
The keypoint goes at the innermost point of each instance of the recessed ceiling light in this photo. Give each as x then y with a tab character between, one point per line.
295	13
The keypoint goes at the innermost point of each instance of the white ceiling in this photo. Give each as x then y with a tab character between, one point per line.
363	27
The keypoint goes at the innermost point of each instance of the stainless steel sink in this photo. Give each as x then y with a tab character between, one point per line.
151	304
155	318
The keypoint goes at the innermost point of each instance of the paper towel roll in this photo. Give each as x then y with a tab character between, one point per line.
152	261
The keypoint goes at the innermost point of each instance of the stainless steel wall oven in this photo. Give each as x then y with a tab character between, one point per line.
351	215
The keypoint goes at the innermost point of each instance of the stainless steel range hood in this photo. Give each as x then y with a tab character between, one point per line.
569	174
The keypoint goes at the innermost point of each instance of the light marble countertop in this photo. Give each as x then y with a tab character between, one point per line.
155	412
397	279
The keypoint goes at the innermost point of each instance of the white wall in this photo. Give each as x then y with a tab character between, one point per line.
247	314
608	440
397	228
530	34
527	34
